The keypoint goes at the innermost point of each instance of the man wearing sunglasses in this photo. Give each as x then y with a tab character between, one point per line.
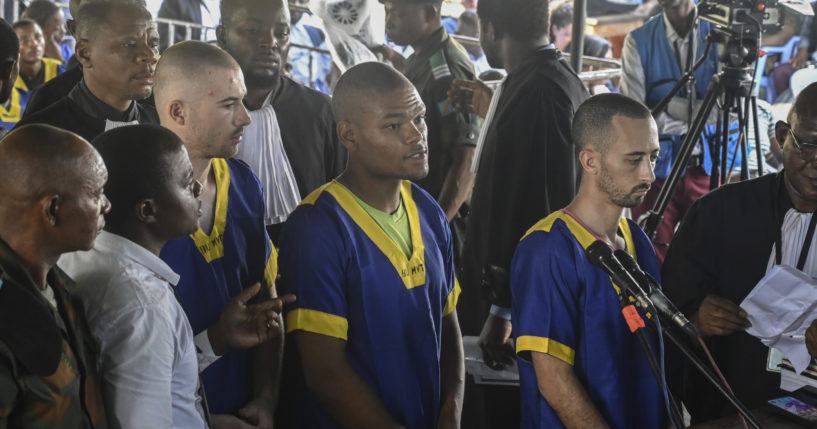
727	242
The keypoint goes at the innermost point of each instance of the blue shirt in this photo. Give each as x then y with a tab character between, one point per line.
215	267
566	307
321	64
355	284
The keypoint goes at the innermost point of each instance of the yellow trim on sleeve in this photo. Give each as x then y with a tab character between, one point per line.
546	345
304	319
452	299
271	269
411	270
212	246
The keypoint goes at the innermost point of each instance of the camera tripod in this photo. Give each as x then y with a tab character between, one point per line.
733	84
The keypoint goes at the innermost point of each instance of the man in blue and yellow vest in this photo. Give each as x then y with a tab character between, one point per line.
653	59
35	70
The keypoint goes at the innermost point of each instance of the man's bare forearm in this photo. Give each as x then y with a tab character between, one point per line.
452	373
339	388
559	386
458	182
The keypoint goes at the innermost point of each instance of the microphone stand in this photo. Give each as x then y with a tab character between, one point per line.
601	255
699	365
638	330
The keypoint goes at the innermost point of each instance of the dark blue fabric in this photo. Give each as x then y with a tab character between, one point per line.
204	288
558	295
394	332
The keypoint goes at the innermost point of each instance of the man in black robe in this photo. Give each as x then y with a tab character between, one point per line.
256	34
117	45
725	245
525	165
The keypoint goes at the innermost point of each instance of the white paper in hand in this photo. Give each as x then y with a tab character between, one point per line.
783	303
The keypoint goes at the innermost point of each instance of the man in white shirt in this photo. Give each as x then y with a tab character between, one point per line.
147	358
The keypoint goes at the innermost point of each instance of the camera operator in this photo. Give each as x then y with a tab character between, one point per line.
654	58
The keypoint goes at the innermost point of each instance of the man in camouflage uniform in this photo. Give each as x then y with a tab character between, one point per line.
51	202
436	62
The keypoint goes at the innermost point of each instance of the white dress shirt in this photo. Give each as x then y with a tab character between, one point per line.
147	359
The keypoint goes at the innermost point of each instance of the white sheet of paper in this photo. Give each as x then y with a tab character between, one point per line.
482	374
783	303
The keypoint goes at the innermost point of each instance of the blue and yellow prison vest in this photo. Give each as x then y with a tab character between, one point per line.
566	307
215	267
355	284
20	94
662	72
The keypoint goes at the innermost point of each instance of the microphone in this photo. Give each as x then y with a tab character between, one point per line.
663	304
601	255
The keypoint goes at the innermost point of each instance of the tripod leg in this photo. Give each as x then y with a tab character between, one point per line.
724	139
656	214
743	127
758	148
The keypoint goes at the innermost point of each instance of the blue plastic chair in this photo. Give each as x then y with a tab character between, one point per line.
764	81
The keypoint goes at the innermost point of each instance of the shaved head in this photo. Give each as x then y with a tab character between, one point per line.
359	84
593	121
805	105
51	191
37	160
184	71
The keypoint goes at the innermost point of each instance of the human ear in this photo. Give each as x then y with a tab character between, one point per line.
177	112
51	208
146	211
780	131
346	132
83	53
590	161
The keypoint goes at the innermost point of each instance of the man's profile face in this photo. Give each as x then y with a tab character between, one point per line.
489	46
800	173
81	216
562	36
218	117
54	27
32	43
405	22
628	163
257	36
391	135
177	204
123	56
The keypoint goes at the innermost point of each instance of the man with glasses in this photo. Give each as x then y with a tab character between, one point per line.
727	242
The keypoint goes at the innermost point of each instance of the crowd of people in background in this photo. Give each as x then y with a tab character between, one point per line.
222	226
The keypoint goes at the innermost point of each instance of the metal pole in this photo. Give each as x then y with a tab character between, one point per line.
577	39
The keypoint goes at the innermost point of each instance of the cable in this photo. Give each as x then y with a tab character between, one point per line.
720	375
674	413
